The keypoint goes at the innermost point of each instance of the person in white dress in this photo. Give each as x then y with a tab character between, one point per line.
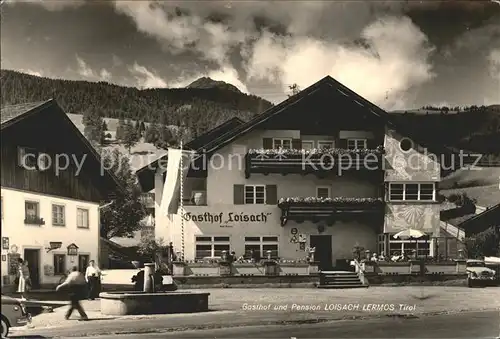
24	279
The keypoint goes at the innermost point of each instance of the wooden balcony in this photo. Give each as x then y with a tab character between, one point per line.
329	209
295	161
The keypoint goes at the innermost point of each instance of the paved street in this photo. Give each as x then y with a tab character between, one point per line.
465	325
236	307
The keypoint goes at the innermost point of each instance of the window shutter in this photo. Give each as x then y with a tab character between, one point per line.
239	194
271	194
371	144
342	143
267	143
296	144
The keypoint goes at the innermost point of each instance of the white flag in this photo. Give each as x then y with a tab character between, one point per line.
171	188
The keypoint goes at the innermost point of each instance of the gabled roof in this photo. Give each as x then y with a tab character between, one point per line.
145	174
14	114
482	221
326	82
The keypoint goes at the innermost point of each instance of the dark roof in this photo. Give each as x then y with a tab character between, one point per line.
333	84
10	114
239	130
482	221
145	174
14	114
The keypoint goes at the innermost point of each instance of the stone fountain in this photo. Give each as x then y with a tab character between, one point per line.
150	301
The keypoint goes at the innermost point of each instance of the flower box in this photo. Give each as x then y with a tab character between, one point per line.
316	152
333	202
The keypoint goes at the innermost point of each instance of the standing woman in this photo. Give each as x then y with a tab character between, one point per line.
93	278
24	279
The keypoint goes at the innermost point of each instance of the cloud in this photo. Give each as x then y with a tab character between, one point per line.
87	73
51	5
297	43
32	72
146	78
494	60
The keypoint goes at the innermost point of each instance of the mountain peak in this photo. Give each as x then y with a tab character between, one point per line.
206	83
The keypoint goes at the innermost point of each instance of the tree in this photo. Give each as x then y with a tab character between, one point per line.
123	216
93	122
483	244
130	137
120	129
151	248
152	134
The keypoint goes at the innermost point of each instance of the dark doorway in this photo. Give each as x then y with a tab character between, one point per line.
32	256
83	262
323	254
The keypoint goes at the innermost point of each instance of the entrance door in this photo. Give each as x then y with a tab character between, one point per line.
83	262
32	256
323	254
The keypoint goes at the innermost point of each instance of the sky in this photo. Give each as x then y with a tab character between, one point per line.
399	55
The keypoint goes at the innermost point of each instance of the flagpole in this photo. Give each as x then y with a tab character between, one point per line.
181	202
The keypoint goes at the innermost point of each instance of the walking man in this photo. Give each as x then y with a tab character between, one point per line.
76	286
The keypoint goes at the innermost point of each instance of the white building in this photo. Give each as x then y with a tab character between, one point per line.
52	184
257	200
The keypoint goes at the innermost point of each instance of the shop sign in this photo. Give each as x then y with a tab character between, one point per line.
227	217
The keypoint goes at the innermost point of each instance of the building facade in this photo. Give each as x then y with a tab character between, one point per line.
50	194
325	169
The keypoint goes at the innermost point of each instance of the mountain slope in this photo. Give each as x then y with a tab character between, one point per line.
197	108
206	83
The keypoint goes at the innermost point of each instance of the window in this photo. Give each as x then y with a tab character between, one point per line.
282	143
27	157
32	209
307	145
356	143
255	194
323	192
82	218
209	247
59	264
405	144
325	144
58	217
412	192
408	246
261	245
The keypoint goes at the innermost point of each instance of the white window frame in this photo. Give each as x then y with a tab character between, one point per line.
212	242
330	142
356	143
324	187
421	245
254	202
77	218
36	203
281	142
418	194
308	141
261	243
55	221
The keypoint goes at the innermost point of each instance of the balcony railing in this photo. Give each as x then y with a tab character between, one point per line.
295	161
329	209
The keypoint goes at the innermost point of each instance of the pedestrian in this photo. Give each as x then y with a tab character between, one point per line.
24	281
93	279
75	284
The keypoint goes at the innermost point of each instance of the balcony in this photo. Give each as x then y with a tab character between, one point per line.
329	209
318	161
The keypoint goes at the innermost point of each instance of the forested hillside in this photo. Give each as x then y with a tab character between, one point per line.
197	108
207	103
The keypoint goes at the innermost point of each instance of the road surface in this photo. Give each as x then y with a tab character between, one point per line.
462	325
